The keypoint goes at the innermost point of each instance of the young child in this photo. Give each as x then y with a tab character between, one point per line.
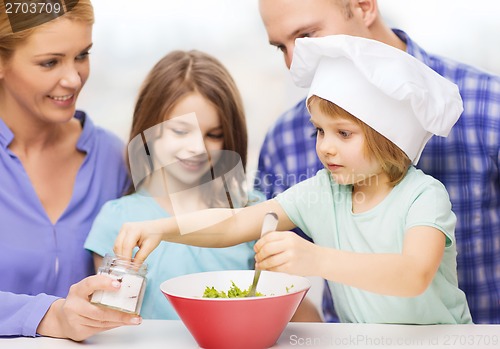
188	127
383	231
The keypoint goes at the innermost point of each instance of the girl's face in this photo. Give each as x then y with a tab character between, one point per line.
190	138
340	147
45	75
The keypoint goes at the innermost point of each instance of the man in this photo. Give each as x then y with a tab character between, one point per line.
467	162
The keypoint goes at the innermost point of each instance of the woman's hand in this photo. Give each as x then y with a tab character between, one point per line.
147	235
77	319
285	251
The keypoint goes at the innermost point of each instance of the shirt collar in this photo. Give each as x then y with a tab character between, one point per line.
412	48
6	135
84	142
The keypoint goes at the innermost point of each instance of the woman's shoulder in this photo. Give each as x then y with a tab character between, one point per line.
97	136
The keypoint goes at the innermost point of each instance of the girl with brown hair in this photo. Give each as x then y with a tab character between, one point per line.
187	151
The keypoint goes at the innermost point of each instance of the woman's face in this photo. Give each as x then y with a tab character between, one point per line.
44	76
190	139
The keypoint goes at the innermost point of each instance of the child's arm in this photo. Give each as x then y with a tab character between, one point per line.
406	274
206	228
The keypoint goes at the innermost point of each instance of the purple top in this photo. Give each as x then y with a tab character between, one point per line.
39	258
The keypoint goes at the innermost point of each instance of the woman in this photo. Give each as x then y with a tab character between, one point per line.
57	170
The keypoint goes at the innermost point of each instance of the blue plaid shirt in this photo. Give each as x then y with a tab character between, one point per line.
467	162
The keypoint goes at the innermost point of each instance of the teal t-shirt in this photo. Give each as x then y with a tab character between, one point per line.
168	260
323	210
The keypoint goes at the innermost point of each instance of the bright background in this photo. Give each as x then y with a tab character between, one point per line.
130	36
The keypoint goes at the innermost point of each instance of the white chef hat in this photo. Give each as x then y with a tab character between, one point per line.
386	88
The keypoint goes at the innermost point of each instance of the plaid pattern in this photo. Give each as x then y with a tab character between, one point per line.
467	162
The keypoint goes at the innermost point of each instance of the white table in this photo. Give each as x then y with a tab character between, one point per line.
165	334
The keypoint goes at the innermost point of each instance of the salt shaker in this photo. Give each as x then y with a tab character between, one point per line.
131	275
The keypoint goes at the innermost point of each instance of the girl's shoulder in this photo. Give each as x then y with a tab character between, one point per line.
418	179
132	206
417	185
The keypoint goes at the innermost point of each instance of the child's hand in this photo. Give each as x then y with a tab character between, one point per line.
285	251
146	235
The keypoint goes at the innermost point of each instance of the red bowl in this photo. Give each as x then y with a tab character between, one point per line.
243	323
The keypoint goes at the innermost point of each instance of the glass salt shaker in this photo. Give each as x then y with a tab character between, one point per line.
132	277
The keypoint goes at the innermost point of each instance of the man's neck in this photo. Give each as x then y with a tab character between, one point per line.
383	33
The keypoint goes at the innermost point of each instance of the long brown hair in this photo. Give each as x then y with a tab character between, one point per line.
9	40
392	159
180	73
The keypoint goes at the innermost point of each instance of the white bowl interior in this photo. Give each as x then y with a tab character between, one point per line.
270	283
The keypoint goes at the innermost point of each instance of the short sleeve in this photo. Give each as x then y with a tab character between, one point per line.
307	200
432	207
105	229
289	201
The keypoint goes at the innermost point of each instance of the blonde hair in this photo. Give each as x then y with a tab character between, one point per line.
392	159
9	40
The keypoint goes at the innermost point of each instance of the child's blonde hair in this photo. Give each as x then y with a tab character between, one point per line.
392	159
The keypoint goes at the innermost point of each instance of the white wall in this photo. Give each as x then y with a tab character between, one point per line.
129	39
131	35
461	29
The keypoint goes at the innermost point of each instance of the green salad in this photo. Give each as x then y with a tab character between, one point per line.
233	292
